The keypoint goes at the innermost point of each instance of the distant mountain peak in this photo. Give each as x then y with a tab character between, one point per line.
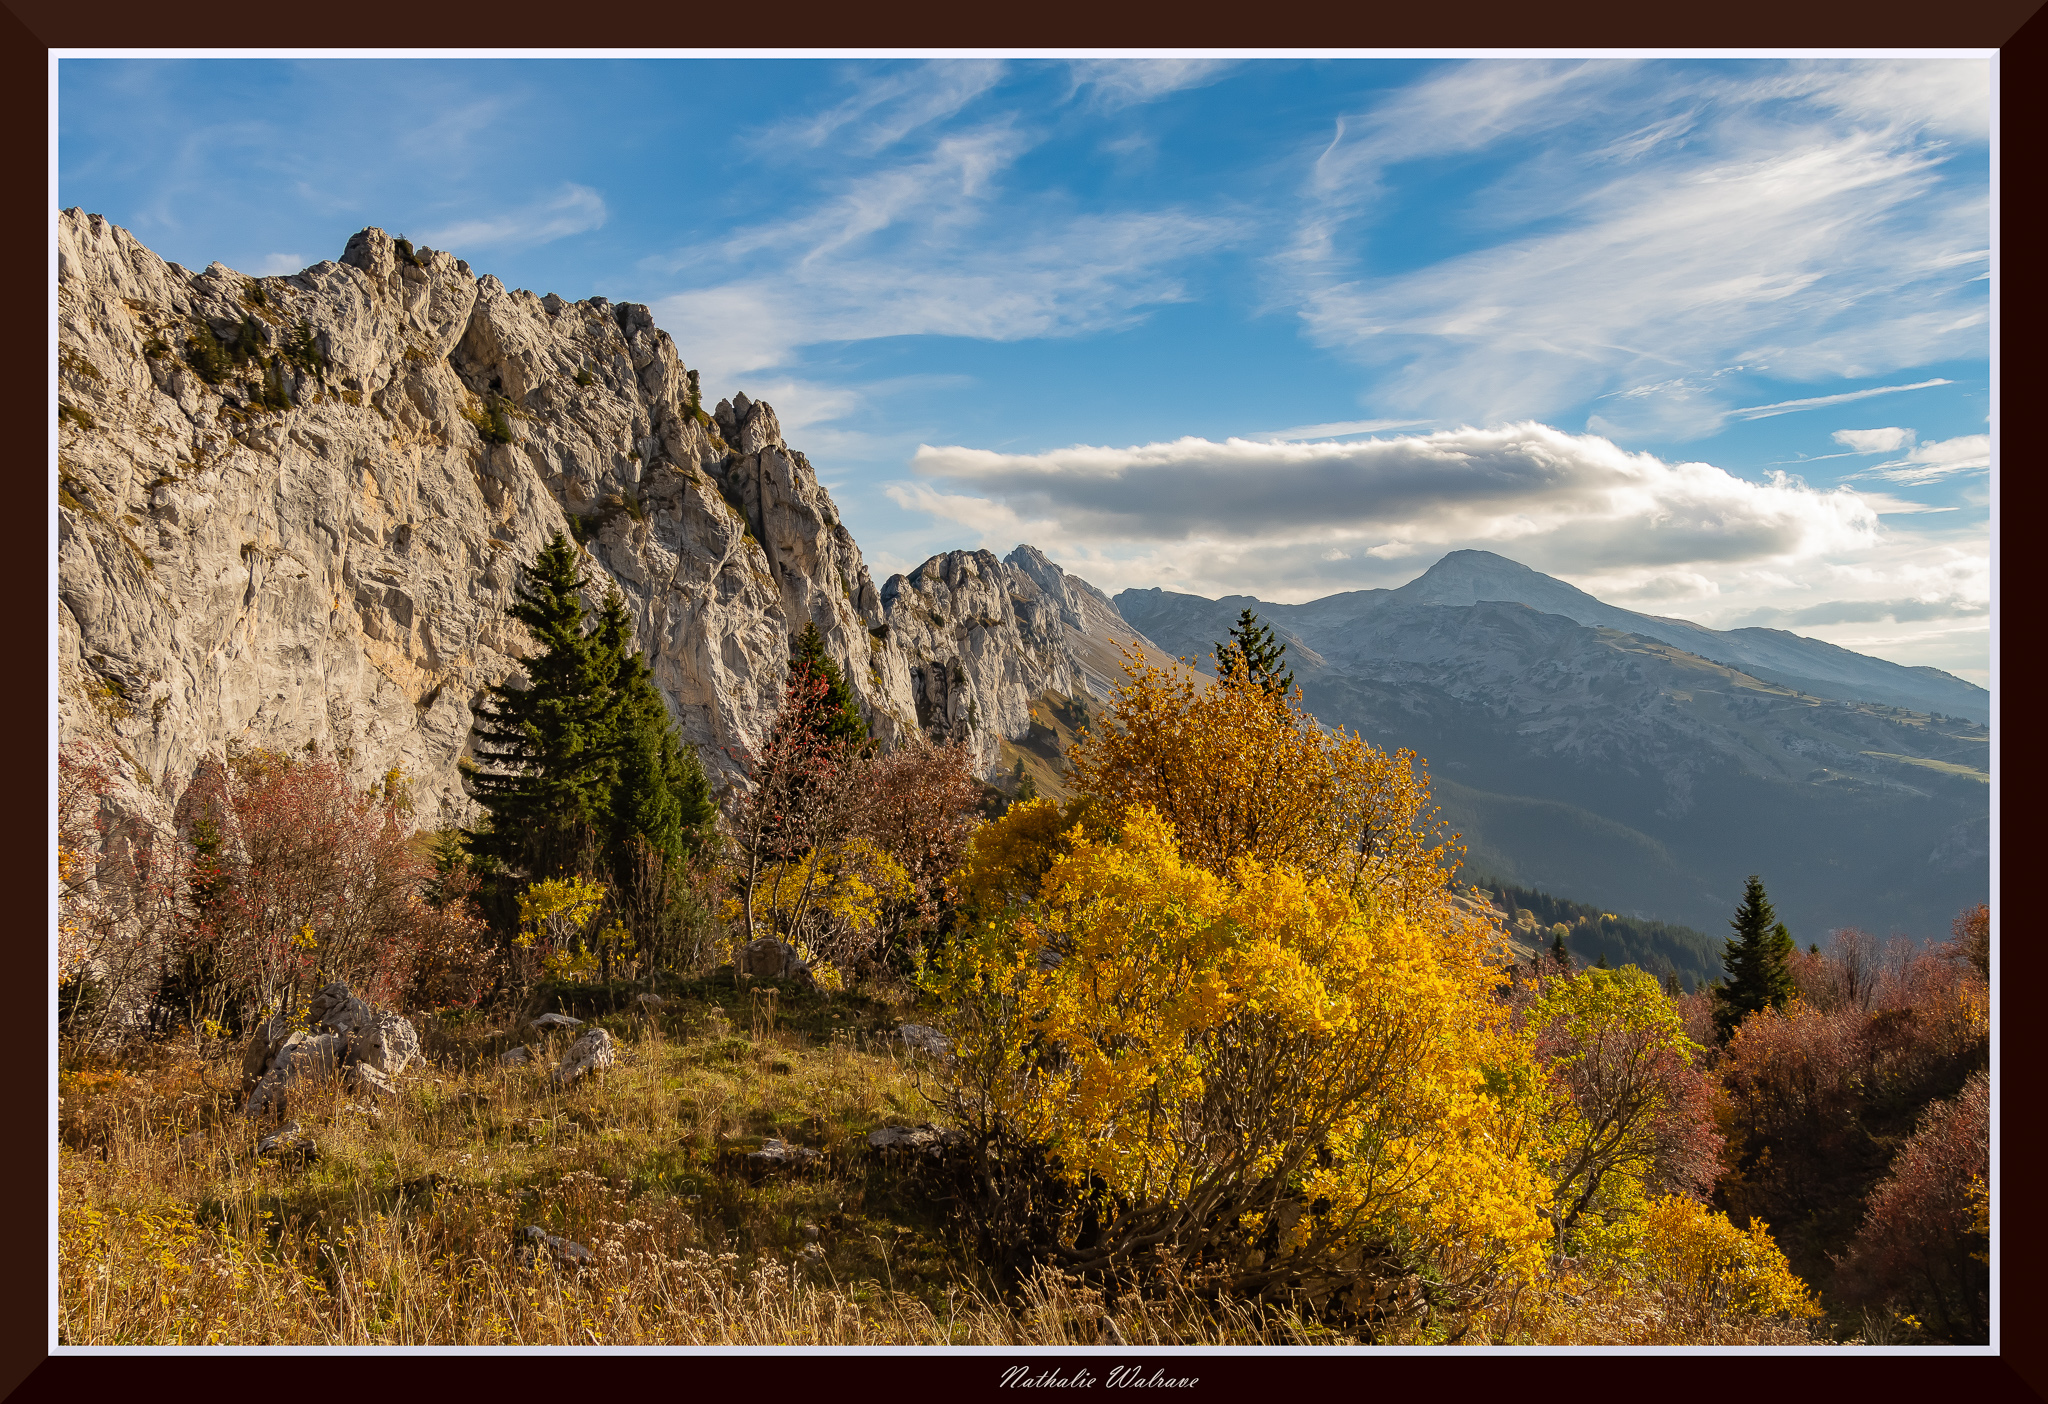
1468	577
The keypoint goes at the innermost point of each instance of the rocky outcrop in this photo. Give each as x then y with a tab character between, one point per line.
292	512
368	1047
315	553
985	638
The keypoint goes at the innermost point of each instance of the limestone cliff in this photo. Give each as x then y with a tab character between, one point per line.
331	574
985	638
313	549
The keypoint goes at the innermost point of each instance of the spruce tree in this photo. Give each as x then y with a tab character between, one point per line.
582	764
1757	959
543	771
1253	648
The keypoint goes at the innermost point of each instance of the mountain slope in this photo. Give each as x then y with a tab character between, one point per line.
1622	769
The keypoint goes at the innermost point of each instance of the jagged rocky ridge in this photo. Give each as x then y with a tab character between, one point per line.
331	576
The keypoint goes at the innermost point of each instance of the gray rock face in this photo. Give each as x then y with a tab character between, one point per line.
334	574
984	637
330	575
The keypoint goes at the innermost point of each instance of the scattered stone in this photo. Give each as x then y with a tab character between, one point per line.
777	1154
922	1139
555	1021
925	1039
562	1250
649	1002
513	1057
810	1232
769	958
289	1143
593	1050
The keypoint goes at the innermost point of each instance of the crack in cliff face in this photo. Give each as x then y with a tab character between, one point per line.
337	495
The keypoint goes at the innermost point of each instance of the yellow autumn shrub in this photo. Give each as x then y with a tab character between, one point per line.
1229	1062
1244	772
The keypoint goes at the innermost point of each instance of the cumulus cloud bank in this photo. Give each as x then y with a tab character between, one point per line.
1550	494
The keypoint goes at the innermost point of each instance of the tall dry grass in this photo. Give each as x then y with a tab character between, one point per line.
410	1226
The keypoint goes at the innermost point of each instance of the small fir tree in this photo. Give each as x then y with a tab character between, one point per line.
1253	648
1757	959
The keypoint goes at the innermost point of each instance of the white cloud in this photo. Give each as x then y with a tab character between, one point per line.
1115	83
1556	499
574	209
1931	463
1792	218
928	248
1874	440
278	264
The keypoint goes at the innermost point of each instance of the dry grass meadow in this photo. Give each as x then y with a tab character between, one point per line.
408	1227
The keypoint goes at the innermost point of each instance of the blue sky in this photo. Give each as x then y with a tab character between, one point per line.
1709	338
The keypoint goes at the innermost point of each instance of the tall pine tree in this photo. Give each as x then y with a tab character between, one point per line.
581	771
544	770
1253	648
1758	961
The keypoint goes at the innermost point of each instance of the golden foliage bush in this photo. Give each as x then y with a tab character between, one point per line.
1241	771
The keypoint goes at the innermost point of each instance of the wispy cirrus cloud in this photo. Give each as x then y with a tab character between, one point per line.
931	246
885	108
1117	83
573	209
1338	430
1824	401
1660	228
